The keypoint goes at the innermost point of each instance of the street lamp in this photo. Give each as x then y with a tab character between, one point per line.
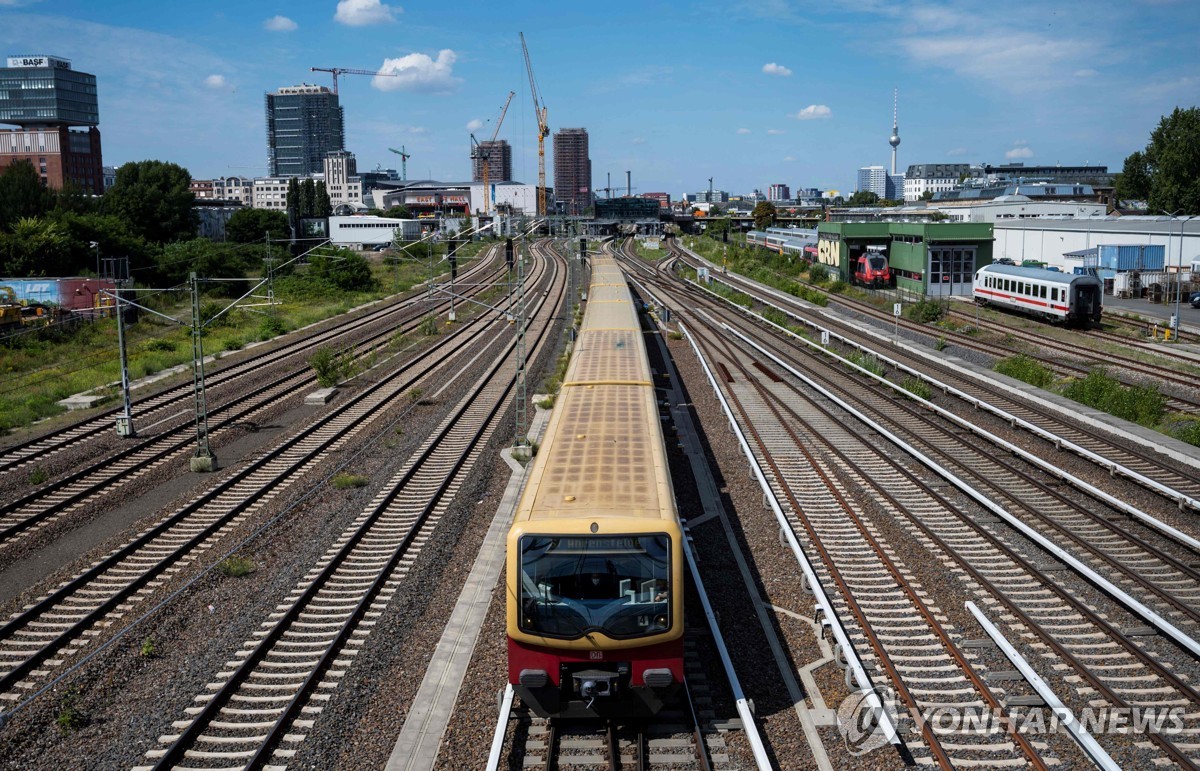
1179	272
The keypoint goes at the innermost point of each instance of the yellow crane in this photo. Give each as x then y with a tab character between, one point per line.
485	153
543	129
335	71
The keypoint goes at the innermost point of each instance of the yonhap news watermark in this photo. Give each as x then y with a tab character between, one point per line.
866	719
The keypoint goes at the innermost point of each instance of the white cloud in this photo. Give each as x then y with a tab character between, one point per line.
743	131
957	152
418	72
1019	152
215	81
813	112
788	158
772	68
637	141
280	24
1086	72
360	13
775	131
474	124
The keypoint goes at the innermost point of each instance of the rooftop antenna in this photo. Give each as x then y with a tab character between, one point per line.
894	141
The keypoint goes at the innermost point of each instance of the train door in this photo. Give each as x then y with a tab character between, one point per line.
1087	304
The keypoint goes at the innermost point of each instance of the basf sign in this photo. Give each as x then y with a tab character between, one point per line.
39	61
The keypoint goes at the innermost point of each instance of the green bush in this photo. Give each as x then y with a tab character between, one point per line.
917	387
160	344
925	311
818	273
271	326
331	365
429	326
1143	405
940	345
1187	431
867	361
70	718
838	286
1026	369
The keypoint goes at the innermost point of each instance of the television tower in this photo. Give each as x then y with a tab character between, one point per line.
894	141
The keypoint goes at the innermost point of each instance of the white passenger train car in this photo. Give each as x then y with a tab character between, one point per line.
1048	294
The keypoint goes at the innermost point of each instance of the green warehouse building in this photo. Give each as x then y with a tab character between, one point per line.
928	258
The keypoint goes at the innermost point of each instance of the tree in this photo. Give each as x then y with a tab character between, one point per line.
927	195
1170	164
323	207
1133	183
207	259
346	270
763	214
154	200
308	198
863	198
37	246
22	194
246	226
397	212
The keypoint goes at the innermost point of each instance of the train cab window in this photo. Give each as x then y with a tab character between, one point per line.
618	585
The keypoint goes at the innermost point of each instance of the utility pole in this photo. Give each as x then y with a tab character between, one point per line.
203	460
125	419
521	430
628	183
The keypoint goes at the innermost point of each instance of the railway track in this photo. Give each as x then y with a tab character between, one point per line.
1052	429
897	621
1108	660
259	713
51	632
1113	361
171	407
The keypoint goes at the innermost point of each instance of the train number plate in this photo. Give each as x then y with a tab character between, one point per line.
597	655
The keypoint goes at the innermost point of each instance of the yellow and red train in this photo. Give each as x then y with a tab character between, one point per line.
595	572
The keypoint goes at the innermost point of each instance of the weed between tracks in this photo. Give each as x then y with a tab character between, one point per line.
235	567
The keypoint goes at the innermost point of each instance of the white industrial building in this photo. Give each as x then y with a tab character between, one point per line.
1017	207
1049	240
365	231
933	178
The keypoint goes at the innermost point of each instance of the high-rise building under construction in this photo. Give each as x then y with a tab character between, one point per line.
499	162
572	170
304	123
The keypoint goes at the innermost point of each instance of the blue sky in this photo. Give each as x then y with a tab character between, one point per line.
749	93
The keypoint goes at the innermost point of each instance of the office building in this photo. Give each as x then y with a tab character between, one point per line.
304	124
895	187
933	178
342	182
47	98
779	193
498	158
572	170
873	179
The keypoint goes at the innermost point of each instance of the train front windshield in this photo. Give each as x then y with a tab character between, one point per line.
618	585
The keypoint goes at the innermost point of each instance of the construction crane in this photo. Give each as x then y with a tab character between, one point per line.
348	71
543	130
485	153
403	161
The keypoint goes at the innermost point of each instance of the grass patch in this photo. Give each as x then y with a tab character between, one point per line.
1143	405
674	334
148	650
867	361
1026	369
548	402
236	567
345	481
70	717
917	387
428	326
940	345
38	475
